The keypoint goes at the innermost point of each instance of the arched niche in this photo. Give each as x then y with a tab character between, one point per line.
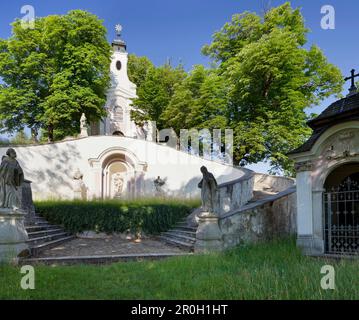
118	168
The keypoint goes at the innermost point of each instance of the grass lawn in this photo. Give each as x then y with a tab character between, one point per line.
273	270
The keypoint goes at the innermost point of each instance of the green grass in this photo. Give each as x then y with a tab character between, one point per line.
273	270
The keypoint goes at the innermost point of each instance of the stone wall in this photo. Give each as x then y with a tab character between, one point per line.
51	167
266	219
269	183
235	194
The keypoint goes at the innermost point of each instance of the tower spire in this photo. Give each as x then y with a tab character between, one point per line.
118	44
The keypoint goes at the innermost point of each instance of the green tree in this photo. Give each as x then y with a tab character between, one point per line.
54	73
155	93
272	77
199	101
138	68
177	112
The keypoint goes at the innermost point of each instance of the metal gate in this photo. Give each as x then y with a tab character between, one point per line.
341	212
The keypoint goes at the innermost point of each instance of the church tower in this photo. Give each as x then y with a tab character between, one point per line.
120	95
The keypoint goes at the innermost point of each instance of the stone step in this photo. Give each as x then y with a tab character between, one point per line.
38	218
36	224
100	259
37	234
185	232
37	248
177	243
185	228
181	237
33	228
47	238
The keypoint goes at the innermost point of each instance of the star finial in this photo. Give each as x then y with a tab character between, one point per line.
118	29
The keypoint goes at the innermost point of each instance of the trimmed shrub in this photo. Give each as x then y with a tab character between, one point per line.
150	216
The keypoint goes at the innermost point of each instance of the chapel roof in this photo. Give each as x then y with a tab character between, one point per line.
342	110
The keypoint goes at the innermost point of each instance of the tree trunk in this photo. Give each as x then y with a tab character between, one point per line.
50	133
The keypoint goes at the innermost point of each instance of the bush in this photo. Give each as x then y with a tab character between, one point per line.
148	216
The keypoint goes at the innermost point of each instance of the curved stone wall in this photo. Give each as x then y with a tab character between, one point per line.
52	167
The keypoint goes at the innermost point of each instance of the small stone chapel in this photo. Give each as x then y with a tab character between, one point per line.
327	167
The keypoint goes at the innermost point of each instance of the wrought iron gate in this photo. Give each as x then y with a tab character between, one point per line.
341	212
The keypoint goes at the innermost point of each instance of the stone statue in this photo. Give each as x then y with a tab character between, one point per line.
83	126
159	183
79	186
118	184
209	191
13	235
11	178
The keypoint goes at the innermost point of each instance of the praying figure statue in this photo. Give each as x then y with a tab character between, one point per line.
209	191
11	178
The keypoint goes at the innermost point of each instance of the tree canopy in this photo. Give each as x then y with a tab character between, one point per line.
265	77
53	73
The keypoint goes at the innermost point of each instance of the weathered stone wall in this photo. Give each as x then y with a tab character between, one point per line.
269	183
266	219
234	195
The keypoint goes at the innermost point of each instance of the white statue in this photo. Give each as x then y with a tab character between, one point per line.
118	184
79	187
159	183
83	126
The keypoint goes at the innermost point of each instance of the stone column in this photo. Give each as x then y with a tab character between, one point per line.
13	235
304	210
318	219
208	235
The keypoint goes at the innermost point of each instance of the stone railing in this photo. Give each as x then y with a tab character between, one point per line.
238	219
274	216
235	194
232	196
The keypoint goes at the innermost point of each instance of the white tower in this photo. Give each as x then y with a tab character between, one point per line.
120	95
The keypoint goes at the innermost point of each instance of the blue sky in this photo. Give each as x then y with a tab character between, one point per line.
177	29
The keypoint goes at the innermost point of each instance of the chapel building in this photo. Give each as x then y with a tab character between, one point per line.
120	99
327	168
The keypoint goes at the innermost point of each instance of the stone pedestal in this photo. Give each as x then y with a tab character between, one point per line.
208	235
13	235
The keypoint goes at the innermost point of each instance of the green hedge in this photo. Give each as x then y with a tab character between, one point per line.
148	216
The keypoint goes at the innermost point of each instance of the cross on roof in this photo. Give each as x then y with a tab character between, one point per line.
353	88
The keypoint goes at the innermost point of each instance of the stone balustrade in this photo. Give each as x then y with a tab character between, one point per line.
235	194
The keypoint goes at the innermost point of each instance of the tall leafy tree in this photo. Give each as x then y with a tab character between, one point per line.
155	93
177	112
272	77
54	73
138	68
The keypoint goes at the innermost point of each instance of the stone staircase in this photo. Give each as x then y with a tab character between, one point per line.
182	235
43	236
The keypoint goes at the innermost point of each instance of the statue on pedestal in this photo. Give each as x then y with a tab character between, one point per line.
83	126
13	235
159	183
208	234
79	186
11	178
209	191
